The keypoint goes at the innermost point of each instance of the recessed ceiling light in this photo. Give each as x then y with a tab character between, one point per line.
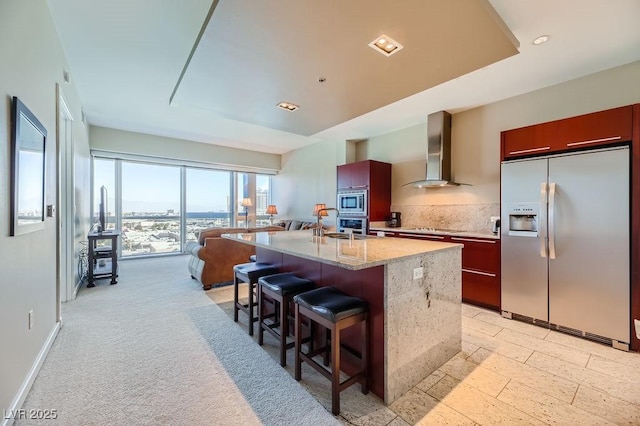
288	106
385	45
539	40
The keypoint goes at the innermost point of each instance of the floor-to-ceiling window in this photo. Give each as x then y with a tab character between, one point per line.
159	206
208	200
150	195
263	199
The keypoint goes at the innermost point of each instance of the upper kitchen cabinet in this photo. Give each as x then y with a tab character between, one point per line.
598	128
585	131
530	140
354	175
374	176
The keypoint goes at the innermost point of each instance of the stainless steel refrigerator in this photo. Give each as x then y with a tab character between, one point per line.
565	243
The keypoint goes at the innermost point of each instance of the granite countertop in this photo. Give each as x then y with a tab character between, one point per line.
361	253
454	233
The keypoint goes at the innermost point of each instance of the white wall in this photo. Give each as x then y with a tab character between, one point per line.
32	63
122	141
308	177
475	143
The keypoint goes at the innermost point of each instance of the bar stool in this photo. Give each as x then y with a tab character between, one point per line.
281	288
335	311
249	273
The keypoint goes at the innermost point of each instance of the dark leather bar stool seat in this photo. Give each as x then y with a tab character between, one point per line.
281	288
335	311
249	273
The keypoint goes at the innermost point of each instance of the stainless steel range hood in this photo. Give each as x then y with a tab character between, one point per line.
438	152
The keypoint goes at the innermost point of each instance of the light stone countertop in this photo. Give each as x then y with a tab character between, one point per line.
357	254
422	231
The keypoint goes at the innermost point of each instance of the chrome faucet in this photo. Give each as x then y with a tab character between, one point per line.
319	221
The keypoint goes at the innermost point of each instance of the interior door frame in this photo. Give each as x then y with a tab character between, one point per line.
65	199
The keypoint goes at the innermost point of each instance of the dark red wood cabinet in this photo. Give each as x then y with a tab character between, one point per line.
373	176
480	271
584	131
354	175
529	140
599	128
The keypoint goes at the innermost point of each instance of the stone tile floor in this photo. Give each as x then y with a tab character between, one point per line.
508	372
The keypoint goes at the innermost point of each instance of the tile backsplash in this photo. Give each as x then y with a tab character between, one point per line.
464	217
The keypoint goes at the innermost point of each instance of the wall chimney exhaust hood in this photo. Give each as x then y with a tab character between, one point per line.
438	153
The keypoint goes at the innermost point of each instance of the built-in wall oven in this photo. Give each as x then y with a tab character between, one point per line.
357	225
352	203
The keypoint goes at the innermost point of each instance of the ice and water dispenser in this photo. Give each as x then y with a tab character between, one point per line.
523	219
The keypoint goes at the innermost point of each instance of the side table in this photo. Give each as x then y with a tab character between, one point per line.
110	253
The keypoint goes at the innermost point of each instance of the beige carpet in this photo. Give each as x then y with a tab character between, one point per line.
154	350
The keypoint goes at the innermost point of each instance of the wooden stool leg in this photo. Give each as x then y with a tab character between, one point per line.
235	298
364	384
284	330
260	314
325	338
298	332
251	305
335	371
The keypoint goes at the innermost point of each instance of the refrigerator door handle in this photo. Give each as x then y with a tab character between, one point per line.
552	221
542	232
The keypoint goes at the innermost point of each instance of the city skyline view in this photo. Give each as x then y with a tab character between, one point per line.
150	194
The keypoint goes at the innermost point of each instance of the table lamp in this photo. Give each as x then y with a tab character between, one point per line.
246	203
271	210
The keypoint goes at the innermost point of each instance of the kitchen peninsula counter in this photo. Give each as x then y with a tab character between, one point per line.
413	289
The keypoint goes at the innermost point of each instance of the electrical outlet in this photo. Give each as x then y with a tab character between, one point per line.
30	319
493	219
418	273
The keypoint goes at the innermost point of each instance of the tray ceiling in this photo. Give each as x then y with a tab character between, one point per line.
253	55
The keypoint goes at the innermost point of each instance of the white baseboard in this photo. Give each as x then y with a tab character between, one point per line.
33	373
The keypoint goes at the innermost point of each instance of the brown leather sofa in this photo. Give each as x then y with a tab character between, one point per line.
213	257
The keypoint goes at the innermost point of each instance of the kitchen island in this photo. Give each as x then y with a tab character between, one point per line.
413	289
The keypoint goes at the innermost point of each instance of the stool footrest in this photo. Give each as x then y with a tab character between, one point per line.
326	373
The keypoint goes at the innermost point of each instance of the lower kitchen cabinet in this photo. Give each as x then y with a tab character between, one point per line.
480	266
480	271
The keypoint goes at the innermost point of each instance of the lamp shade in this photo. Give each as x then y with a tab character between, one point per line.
271	209
319	207
246	202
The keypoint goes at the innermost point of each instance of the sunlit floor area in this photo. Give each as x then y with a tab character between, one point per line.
508	372
156	349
